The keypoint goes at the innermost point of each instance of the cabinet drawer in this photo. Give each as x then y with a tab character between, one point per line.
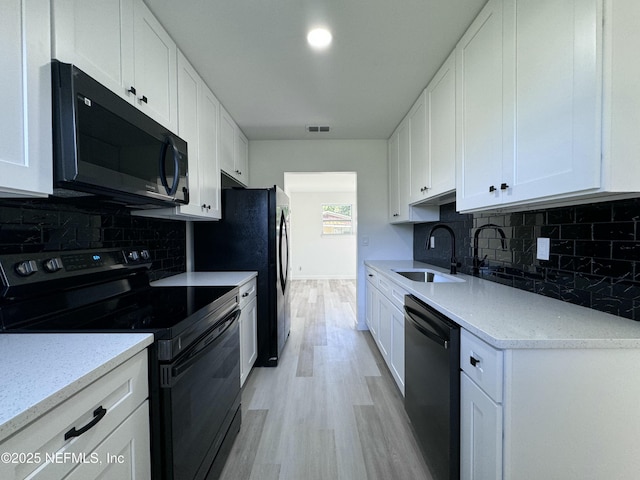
483	364
247	292
120	392
394	293
372	276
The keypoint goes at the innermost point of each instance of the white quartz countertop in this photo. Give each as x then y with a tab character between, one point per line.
506	317
39	371
206	279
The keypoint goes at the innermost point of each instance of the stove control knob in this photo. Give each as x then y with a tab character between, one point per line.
133	256
52	265
26	268
145	254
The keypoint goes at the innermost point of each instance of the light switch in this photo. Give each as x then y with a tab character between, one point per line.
365	241
543	248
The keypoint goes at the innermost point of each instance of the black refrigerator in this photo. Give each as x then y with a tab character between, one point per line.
253	235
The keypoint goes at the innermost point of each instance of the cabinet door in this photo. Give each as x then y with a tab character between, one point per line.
441	129
188	113
371	314
25	93
397	347
248	339
419	170
241	157
123	455
553	50
227	142
384	326
404	166
480	433
479	128
97	37
208	166
155	68
392	144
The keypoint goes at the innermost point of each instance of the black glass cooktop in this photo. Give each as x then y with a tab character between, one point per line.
152	309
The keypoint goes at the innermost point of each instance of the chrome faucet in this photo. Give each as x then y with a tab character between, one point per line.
477	263
454	263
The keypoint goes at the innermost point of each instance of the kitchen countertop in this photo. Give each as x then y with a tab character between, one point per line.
207	279
39	371
506	317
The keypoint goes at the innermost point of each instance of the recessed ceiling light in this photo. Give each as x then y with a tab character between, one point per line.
319	38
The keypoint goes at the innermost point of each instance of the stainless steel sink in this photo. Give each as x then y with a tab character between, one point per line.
426	275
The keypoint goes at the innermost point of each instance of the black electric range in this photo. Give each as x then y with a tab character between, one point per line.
196	341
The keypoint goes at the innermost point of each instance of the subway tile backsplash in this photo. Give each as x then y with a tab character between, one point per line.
49	225
594	252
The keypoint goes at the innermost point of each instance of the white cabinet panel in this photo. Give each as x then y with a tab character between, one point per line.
77	24
420	168
441	129
554	53
198	111
480	433
25	94
397	347
155	56
529	103
108	402
122	45
248	328
479	70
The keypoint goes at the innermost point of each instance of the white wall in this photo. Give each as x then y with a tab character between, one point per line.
268	160
314	255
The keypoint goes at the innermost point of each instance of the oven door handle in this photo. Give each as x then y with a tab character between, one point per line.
202	347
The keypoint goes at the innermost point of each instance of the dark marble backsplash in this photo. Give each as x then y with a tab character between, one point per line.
49	225
594	252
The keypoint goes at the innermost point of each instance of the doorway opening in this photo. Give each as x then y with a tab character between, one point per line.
324	219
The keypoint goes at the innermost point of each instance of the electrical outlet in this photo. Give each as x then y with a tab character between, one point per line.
542	252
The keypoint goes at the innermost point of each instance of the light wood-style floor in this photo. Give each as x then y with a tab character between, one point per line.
330	409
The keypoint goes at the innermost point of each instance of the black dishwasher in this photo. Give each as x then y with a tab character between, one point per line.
432	386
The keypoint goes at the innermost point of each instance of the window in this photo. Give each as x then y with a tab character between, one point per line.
337	219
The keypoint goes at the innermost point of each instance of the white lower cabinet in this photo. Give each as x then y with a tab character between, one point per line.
248	328
385	319
100	432
397	347
480	433
554	413
371	316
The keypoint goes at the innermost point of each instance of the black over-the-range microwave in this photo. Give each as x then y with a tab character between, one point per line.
105	146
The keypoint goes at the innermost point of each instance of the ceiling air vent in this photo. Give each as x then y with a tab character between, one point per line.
318	128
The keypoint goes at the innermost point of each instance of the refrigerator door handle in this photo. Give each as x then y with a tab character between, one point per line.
284	273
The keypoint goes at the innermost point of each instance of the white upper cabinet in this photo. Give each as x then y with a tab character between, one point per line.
420	169
529	103
441	130
198	111
97	37
25	93
399	159
121	45
227	142
208	164
154	78
241	152
393	158
233	149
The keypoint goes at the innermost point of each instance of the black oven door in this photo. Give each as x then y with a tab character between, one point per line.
200	392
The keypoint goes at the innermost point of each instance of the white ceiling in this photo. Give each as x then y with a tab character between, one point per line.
253	54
